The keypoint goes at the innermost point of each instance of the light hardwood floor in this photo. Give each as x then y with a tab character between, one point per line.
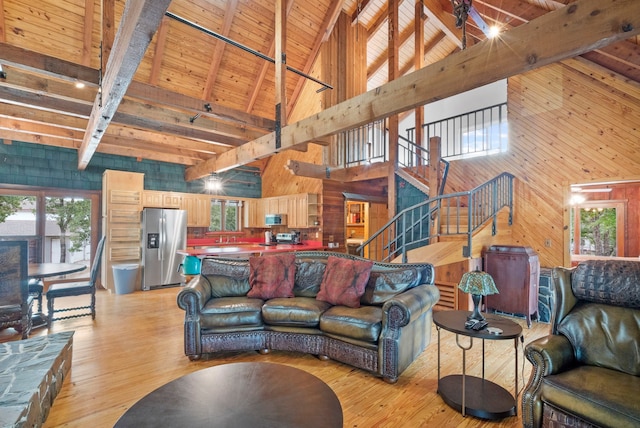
135	345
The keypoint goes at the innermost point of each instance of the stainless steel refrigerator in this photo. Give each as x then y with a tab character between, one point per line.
164	233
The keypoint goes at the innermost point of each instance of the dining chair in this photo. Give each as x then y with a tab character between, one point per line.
15	302
66	289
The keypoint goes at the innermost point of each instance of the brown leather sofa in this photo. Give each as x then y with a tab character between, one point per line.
587	372
384	335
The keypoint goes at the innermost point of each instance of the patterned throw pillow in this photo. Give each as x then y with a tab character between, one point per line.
344	281
272	276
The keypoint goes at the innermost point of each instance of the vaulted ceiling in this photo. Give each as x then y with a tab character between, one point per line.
183	81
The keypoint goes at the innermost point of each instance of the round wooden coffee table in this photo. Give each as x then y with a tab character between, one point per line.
239	395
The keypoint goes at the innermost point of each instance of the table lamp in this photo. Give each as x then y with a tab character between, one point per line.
478	284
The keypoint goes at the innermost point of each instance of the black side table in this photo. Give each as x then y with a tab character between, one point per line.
469	394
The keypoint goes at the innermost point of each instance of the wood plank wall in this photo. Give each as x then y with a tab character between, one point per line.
571	122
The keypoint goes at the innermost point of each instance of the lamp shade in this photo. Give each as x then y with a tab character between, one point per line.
479	283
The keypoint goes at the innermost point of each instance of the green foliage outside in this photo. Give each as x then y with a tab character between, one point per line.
9	205
215	223
230	216
598	232
73	216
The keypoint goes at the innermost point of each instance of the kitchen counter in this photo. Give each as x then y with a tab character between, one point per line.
251	249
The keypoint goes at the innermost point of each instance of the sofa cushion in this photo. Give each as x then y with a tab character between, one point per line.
383	285
344	281
272	276
231	312
297	311
605	336
363	323
598	395
309	273
224	286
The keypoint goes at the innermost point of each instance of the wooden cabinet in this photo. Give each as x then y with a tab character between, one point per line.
198	209
301	210
158	199
253	213
122	201
516	272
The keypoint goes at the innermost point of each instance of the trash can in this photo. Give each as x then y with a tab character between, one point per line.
125	277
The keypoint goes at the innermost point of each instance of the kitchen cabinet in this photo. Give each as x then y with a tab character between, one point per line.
122	201
198	209
253	213
158	199
303	210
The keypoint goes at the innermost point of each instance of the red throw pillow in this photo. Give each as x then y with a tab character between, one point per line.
272	276
344	281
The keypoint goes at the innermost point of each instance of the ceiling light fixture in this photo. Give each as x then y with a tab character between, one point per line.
494	31
213	183
589	190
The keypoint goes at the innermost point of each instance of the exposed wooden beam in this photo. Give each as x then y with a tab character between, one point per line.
281	68
3	37
44	64
140	22
444	21
327	25
344	175
361	7
263	69
52	67
218	50
158	52
378	23
108	30
580	27
88	31
384	56
204	107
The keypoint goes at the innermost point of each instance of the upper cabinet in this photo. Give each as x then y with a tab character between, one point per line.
158	199
302	210
254	213
198	209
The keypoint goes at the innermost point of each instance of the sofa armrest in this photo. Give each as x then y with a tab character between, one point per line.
194	295
408	306
548	355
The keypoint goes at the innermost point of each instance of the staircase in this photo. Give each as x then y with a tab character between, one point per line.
447	228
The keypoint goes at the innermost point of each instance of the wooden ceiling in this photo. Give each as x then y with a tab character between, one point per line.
173	91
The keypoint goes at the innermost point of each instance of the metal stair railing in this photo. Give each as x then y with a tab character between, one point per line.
424	223
415	159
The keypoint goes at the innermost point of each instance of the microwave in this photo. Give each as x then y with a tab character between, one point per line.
275	219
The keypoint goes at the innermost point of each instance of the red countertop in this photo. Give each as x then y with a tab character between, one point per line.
245	248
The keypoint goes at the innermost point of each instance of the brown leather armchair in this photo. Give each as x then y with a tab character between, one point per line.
15	302
587	372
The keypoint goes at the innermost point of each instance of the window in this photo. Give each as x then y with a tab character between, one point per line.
224	216
479	133
59	225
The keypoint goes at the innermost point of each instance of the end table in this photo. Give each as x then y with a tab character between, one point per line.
469	394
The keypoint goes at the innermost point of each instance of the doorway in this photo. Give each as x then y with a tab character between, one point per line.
603	220
597	229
